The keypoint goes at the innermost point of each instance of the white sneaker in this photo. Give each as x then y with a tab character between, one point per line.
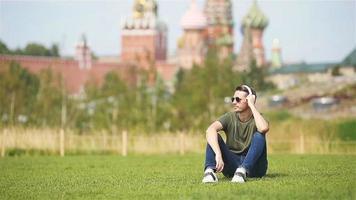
240	175
209	176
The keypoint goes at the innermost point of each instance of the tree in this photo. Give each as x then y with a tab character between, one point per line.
87	107
116	101
49	99
141	104
17	51
3	48
255	78
18	90
35	49
54	51
32	49
200	92
160	106
106	105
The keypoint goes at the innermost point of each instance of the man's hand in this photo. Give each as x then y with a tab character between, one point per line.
261	123
219	163
251	100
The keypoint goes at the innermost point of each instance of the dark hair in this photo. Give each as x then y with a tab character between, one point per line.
244	89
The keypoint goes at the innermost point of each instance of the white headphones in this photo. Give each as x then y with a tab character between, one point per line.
248	88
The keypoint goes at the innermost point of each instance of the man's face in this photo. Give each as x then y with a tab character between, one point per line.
240	103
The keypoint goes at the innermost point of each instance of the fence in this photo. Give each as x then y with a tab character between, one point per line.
50	141
60	142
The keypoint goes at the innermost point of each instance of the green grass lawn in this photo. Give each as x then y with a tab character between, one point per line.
172	177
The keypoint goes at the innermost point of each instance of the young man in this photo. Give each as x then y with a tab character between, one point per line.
244	154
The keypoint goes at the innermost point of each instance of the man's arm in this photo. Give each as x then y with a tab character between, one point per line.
261	123
212	138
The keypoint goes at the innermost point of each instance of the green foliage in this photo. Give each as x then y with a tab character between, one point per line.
255	77
86	108
347	130
151	105
278	116
37	97
54	51
112	102
199	93
163	106
336	71
285	125
147	107
18	89
141	106
3	48
31	49
177	177
17	51
48	104
35	49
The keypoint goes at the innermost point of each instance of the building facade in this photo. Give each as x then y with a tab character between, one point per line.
192	45
144	36
252	49
144	45
220	27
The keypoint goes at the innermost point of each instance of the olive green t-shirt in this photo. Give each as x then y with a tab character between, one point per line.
238	134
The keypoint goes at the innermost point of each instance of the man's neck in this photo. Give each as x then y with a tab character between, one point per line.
245	115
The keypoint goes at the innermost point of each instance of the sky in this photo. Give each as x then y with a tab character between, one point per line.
308	30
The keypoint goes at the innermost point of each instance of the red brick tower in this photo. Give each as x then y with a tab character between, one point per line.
144	37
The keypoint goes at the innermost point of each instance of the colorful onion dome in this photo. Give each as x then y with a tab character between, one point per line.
255	18
194	18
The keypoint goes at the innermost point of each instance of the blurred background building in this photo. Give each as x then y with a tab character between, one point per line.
144	36
220	27
193	44
144	39
141	99
253	25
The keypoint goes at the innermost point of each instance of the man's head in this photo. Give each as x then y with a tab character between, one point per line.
239	100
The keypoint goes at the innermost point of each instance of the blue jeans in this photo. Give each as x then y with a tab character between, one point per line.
254	161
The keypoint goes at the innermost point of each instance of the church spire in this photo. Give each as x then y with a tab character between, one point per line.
83	53
276	60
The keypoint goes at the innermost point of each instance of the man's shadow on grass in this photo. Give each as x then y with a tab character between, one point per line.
268	176
275	175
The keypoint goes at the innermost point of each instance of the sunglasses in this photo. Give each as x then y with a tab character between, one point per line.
237	99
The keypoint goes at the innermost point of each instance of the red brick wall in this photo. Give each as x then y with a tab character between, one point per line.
142	49
139	49
74	77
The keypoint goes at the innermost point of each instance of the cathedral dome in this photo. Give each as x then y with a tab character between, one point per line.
194	18
255	18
